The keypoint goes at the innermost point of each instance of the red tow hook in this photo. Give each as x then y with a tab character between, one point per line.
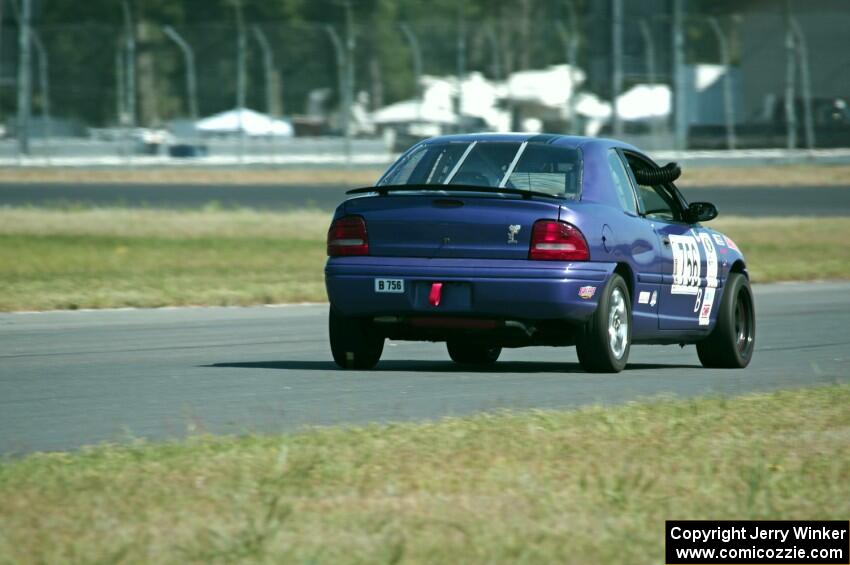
436	294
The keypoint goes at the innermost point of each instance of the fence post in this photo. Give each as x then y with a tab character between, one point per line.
130	76
44	87
570	41
241	76
349	91
680	113
268	71
1	38
652	74
120	97
130	39
342	76
790	56
728	102
461	60
24	79
416	52
268	68
495	51
189	59
617	59
807	85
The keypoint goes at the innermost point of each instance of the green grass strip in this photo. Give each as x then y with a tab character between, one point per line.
100	258
587	486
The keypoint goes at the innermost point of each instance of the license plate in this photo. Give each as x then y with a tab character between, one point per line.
389	285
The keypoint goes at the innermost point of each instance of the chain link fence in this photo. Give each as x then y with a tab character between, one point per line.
663	74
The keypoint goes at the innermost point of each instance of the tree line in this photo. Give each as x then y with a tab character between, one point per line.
85	42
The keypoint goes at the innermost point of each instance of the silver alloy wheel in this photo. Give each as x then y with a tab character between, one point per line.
618	324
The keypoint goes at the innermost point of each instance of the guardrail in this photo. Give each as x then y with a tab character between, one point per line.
326	152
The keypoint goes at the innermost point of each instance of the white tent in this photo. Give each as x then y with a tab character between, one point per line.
248	121
413	111
550	87
483	98
645	101
479	98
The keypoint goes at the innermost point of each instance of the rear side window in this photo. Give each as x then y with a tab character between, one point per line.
622	183
548	168
406	165
426	164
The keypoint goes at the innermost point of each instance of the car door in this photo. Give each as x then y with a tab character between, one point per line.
687	260
637	243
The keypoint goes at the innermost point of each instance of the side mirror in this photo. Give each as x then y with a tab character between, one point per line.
701	212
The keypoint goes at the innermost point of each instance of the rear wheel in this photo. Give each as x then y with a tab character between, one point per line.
354	342
730	344
466	353
603	343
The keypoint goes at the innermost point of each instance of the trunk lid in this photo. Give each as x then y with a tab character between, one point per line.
444	225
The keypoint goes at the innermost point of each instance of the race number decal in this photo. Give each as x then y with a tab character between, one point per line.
686	264
710	278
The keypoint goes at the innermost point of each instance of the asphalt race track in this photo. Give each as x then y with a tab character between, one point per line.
69	379
741	201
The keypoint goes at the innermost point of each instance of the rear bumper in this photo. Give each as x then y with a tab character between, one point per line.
510	289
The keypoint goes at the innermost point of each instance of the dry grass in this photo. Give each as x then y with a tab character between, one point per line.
587	486
306	225
768	176
101	258
193	175
787	249
53	259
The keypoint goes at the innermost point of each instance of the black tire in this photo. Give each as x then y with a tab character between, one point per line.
466	353
732	341
354	342
596	353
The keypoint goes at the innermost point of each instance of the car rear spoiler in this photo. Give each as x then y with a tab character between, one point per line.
383	190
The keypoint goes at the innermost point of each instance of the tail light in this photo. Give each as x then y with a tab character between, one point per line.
557	241
347	236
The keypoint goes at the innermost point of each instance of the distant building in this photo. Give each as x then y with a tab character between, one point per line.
825	25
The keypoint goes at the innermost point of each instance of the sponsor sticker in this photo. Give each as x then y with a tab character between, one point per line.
731	244
718	239
643	297
711	260
710	279
707	302
586	292
513	230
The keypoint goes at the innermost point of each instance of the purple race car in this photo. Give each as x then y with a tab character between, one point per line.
488	241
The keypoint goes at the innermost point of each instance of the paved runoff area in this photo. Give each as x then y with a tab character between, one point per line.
69	379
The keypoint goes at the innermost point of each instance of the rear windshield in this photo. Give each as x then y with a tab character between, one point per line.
530	166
